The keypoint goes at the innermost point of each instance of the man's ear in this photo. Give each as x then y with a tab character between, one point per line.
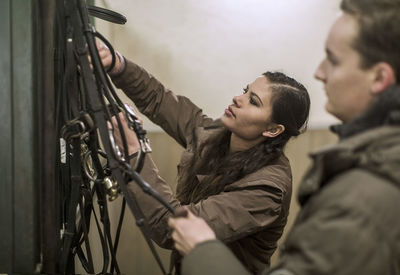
384	76
274	131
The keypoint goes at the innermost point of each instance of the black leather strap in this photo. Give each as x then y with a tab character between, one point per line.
108	15
91	88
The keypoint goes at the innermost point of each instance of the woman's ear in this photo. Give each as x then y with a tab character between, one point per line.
274	131
384	76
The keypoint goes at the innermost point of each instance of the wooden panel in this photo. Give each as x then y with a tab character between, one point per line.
19	253
18	193
26	237
49	195
6	159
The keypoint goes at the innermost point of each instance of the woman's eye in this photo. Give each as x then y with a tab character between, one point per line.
253	102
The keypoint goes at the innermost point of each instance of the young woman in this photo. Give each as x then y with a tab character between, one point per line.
233	172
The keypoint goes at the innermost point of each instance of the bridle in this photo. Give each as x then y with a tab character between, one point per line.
85	102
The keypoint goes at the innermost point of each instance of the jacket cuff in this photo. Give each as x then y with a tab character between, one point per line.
121	69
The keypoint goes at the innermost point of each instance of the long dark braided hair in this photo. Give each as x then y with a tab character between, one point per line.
290	107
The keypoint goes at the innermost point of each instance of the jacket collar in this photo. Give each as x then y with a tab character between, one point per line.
384	111
369	142
376	150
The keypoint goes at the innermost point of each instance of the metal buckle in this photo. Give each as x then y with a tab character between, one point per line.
85	125
114	146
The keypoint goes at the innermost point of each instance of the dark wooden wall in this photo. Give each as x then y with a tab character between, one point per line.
19	229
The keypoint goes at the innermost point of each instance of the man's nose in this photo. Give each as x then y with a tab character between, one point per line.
319	72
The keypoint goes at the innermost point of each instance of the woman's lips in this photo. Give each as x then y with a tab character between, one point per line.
228	112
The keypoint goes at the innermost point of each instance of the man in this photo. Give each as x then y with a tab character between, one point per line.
350	197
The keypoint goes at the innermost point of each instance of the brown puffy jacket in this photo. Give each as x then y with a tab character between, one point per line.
249	215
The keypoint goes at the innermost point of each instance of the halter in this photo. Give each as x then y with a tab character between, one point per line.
85	102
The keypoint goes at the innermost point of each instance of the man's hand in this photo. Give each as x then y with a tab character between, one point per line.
189	232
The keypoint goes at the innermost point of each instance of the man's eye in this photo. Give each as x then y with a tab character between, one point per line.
332	60
245	90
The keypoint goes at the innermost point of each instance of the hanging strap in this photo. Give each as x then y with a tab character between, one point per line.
68	232
93	89
96	109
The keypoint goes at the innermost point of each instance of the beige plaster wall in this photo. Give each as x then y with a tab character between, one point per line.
210	50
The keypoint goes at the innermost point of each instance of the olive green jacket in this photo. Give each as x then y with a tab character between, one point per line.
349	222
249	215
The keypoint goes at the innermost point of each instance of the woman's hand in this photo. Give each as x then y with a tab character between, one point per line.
106	58
189	232
131	138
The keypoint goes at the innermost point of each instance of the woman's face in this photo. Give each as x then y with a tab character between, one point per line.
249	115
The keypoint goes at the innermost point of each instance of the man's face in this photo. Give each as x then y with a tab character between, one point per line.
347	86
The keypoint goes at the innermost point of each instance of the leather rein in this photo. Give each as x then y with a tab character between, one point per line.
91	164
